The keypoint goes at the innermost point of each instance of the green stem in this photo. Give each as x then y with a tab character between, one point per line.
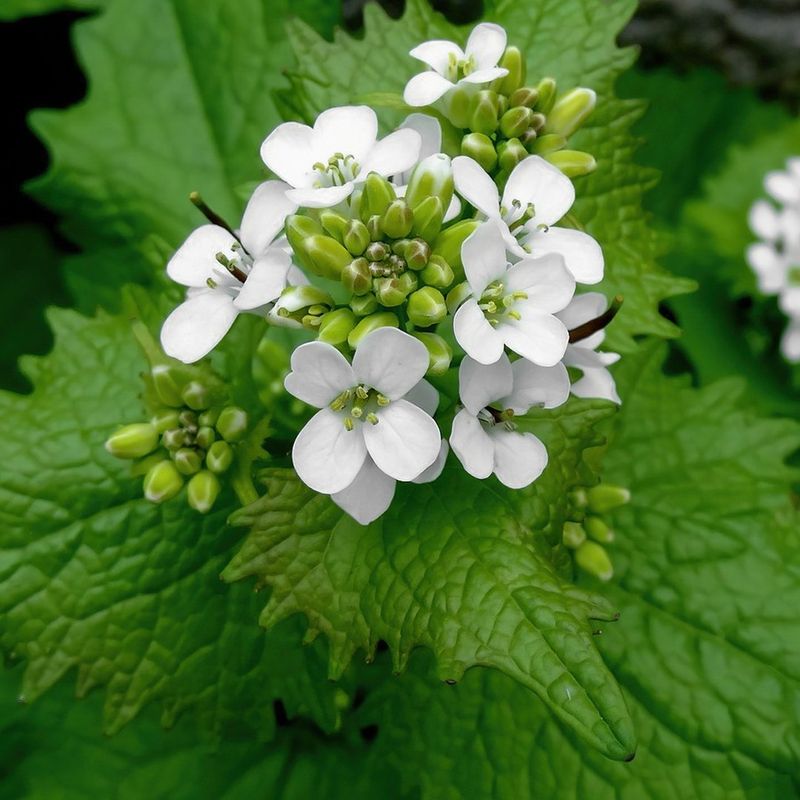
249	451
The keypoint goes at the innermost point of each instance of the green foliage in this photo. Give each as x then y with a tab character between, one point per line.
15	9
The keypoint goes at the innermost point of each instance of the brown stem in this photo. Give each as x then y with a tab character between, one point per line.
210	214
585	330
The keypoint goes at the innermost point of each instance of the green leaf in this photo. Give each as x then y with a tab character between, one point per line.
127	594
575	43
15	9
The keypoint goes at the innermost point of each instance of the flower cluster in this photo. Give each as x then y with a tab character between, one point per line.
401	262
776	258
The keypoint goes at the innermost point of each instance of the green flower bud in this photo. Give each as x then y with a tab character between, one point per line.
377	251
514	62
356	237
571	111
416	253
142	466
428	219
162	420
335	326
547	95
299	228
432	177
510	153
538	121
162	482
384	319
323	256
592	558
356	277
573	535
605	497
187	461
187	419
573	163
196	395
296	303
374	228
448	244
502	105
208	418
459	104
515	121
527	138
205	436
392	292
203	491
598	530
133	441
548	143
480	147
173	438
363	305
483	116
377	195
457	295
168	382
524	96
333	224
440	353
232	423
397	219
219	457
426	307
437	273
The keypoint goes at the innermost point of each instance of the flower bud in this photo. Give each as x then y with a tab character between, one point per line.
573	535
598	530
168	382
296	302
299	227
196	395
439	352
219	457
205	437
547	95
162	482
187	419
457	295
374	228
209	417
141	467
480	147
573	163
364	305
335	326
187	460
232	423
416	253
515	121
510	153
527	138
133	441
426	307
571	111
384	319
524	96
163	420
322	255
458	103
377	195
606	497
173	438
203	491
356	237
397	219
448	244
514	62
333	224
392	292
502	105
432	177
548	143
437	273
483	115
428	219
356	277
592	558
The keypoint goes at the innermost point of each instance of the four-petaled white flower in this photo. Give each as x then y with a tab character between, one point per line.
596	380
258	270
323	164
363	411
511	306
536	196
484	437
451	66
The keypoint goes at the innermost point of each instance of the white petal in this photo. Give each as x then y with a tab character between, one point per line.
545	387
473	183
764	220
546	281
425	89
484	75
582	308
264	216
769	267
265	281
537	181
478	338
789	301
519	458
195	260
396	152
198	325
481	384
790	343
424	396
582	255
437	53
349	130
486	44
319	374
326	456
405	441
297	277
784	188
289	152
596	383
484	256
391	361
453	210
540	338
472	445
320	198
430	131
793	165
586	358
434	470
368	496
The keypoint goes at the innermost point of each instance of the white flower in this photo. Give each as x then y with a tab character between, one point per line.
259	272
536	196
484	438
513	306
363	411
451	66
790	341
324	163
596	381
372	490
